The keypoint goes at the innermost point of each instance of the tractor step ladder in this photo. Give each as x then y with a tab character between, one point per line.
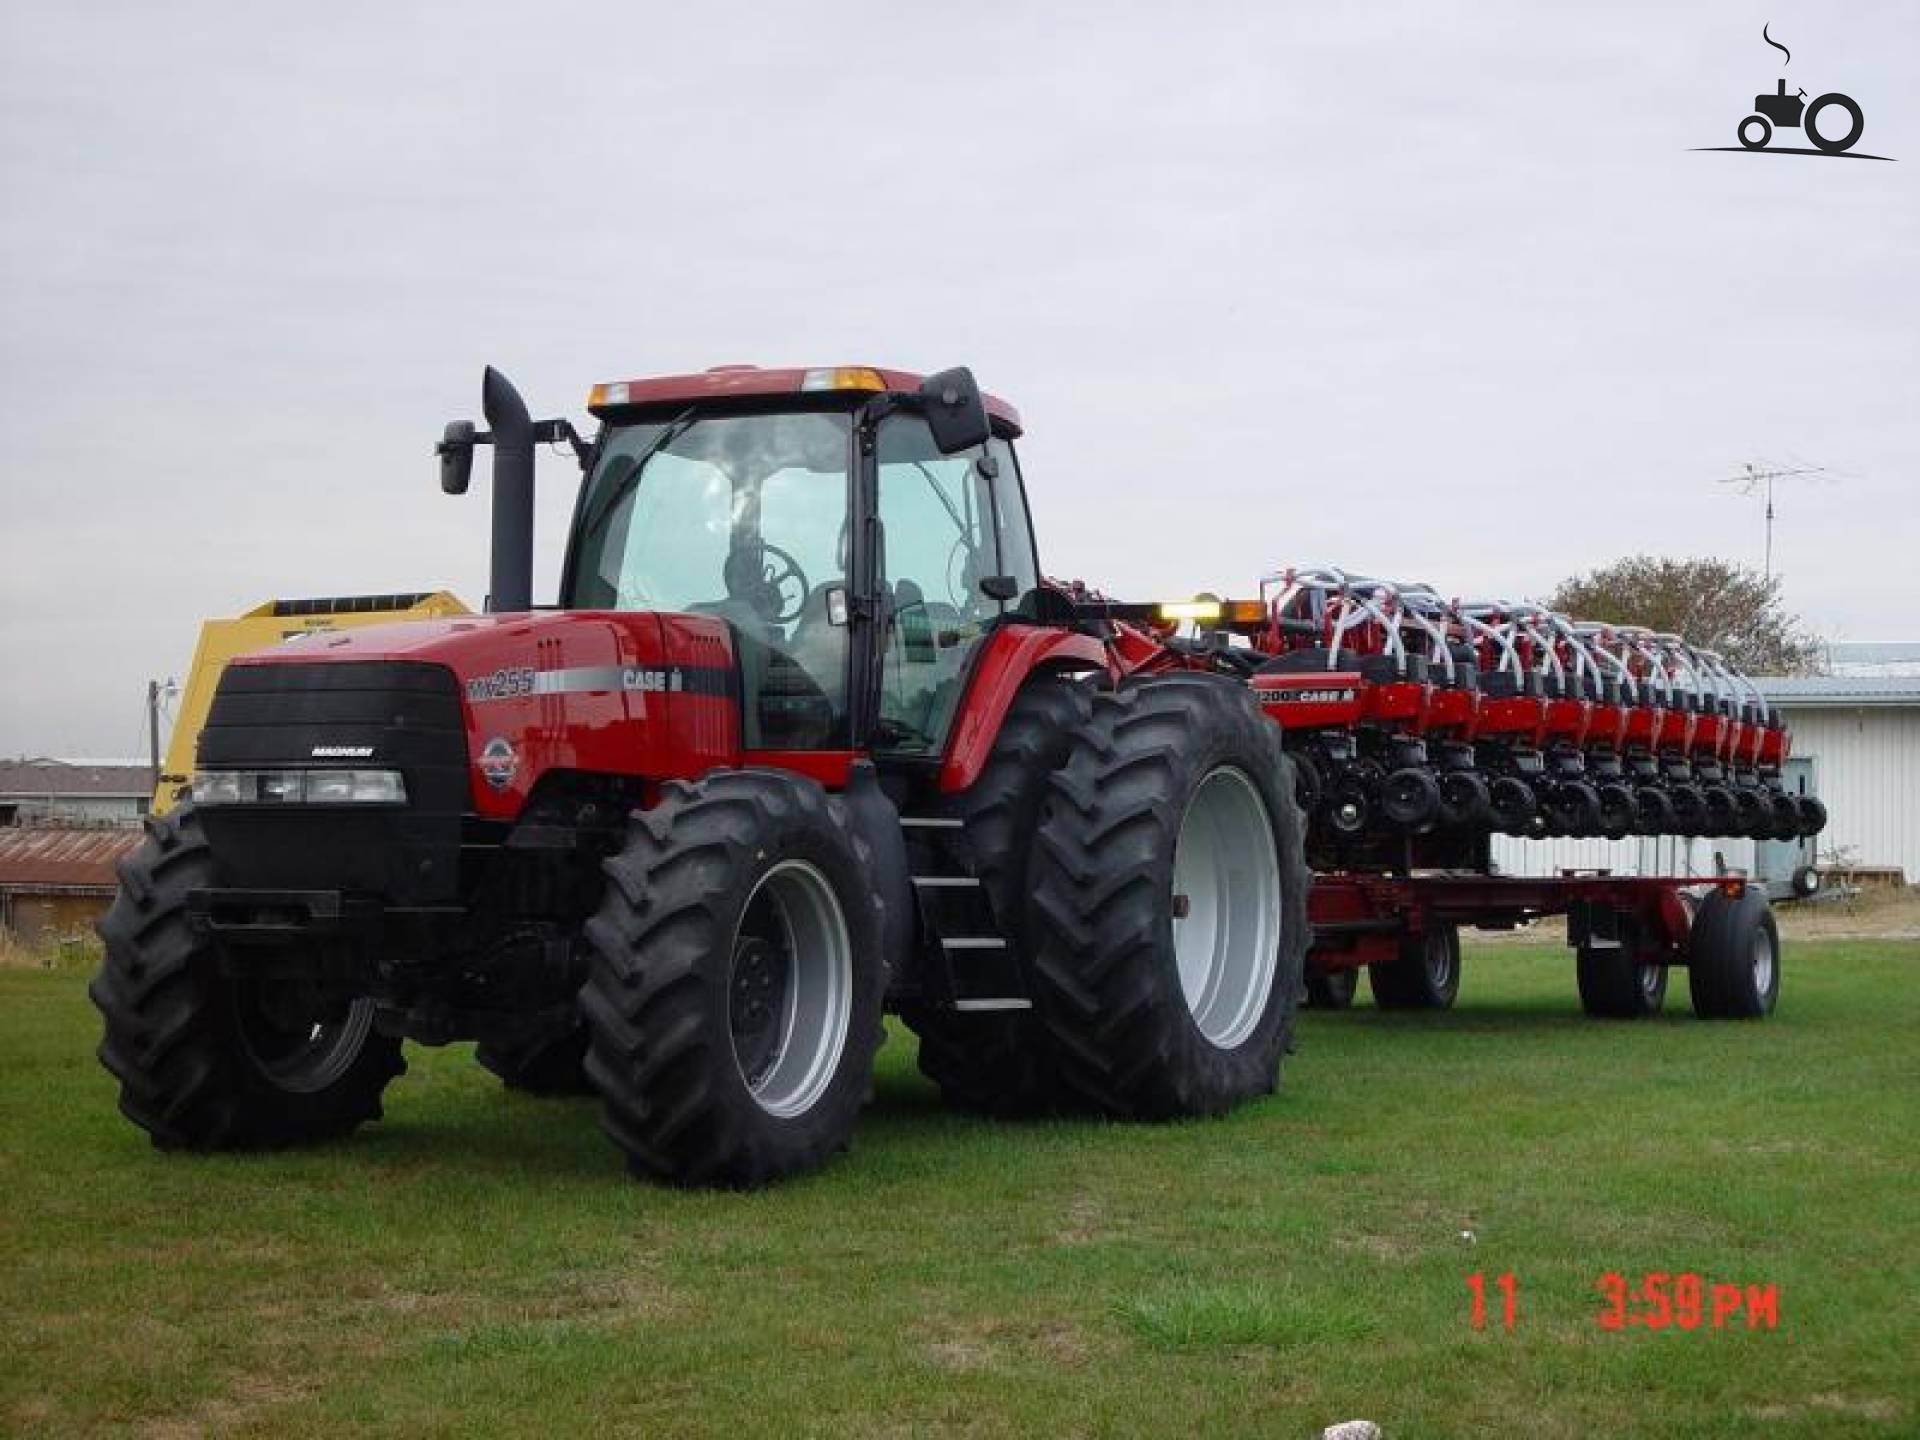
965	954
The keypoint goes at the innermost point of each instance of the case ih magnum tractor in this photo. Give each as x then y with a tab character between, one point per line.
778	762
808	739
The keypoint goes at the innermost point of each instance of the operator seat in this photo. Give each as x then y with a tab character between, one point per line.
819	647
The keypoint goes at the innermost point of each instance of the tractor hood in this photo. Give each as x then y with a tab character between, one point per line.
618	692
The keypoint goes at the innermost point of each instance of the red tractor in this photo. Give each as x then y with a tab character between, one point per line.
806	739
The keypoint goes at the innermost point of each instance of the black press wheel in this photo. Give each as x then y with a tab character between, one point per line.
1410	798
1783	812
1617	810
206	1061
1810	122
1733	961
1689	808
733	1006
1425	975
1653	812
1332	989
1811	815
995	1062
1572	807
1169	901
1464	801
1514	805
1616	985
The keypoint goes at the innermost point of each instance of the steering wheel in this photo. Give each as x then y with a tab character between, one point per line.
783	570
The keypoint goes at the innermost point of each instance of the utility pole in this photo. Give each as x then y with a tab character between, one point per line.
154	691
1758	478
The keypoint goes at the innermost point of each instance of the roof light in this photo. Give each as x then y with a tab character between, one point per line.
1190	610
616	393
845	377
1231	612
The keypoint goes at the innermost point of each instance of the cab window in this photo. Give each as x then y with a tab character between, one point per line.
948	525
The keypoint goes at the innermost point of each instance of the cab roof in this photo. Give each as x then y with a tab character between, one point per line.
738	382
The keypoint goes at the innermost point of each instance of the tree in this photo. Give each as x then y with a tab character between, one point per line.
1711	603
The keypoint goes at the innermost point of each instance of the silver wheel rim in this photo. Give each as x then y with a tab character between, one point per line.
1439	961
1226	927
1650	980
1762	963
313	1063
815	1006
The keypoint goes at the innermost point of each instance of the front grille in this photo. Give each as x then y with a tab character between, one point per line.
277	715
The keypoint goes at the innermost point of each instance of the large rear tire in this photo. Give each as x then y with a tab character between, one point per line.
995	1062
210	1061
733	1005
1169	901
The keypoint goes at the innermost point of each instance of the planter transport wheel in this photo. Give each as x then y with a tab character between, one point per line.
1424	976
1615	984
1332	989
1733	962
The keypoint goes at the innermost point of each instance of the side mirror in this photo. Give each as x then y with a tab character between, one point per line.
456	456
955	410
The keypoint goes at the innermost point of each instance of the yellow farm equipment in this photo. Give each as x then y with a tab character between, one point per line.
261	628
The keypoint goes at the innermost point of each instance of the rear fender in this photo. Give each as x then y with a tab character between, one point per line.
1011	654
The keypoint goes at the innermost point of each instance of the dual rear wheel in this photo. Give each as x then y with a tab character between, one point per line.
1732	959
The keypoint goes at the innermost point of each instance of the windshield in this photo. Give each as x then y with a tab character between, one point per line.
739	516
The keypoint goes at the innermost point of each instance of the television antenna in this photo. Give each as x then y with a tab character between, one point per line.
1758	477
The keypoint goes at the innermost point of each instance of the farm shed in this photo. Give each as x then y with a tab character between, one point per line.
73	792
1856	744
54	882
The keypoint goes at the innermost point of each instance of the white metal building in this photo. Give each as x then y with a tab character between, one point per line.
1856	744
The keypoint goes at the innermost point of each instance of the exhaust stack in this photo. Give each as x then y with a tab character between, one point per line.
510	582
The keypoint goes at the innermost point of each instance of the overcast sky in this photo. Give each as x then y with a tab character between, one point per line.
1435	291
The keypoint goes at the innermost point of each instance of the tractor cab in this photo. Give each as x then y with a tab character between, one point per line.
859	531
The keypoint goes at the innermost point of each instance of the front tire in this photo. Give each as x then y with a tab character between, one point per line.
733	1004
208	1061
1169	901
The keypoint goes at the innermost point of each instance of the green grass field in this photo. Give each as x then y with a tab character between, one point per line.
478	1263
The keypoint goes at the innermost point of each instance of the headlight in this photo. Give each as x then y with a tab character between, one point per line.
222	787
299	787
355	787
